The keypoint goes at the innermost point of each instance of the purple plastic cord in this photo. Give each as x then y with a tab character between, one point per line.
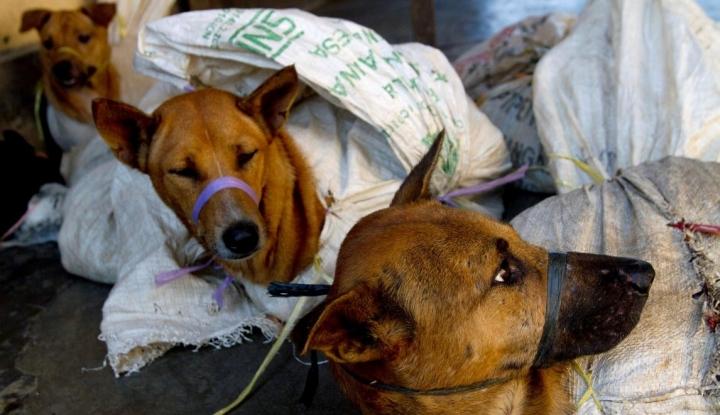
19	222
483	187
168	276
225	182
218	294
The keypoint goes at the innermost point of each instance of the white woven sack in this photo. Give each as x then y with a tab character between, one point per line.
636	80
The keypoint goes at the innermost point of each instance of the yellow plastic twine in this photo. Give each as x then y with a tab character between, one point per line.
122	26
284	333
594	174
589	391
39	91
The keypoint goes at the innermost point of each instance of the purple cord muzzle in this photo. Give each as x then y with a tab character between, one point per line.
221	183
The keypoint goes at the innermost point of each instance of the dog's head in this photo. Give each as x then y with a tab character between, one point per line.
74	43
195	138
427	296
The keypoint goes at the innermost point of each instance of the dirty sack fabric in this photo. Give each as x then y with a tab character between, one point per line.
635	81
498	74
669	361
373	111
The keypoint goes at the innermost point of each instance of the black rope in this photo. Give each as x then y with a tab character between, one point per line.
278	289
429	392
311	382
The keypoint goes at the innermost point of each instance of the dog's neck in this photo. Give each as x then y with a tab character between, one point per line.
547	391
541	392
77	102
293	216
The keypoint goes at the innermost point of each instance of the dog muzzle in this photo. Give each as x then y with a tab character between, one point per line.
557	269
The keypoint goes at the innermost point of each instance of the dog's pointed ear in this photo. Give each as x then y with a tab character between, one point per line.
101	13
417	184
352	329
270	103
125	129
34	19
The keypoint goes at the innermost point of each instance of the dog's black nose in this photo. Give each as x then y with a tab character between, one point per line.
639	274
64	71
627	273
241	238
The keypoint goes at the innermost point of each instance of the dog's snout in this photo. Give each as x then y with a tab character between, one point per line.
639	274
636	275
241	238
64	71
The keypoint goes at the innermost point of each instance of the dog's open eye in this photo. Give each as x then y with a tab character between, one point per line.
508	273
48	43
186	172
243	158
83	38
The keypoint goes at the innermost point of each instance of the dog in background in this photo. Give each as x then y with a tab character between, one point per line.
437	310
195	138
75	57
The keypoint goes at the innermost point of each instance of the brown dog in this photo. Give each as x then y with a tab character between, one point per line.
195	138
75	57
436	310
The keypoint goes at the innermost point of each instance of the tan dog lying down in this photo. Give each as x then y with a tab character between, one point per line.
437	310
193	139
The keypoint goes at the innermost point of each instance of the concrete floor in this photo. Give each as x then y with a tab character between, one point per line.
50	319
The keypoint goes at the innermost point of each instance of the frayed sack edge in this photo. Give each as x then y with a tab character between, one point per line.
133	358
709	272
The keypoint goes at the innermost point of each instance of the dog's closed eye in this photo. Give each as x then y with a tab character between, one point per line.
187	172
244	158
83	38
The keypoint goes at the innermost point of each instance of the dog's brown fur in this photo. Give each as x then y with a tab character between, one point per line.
80	38
464	321
416	303
197	137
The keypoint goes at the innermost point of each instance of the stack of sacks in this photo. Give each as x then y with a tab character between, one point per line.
635	81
